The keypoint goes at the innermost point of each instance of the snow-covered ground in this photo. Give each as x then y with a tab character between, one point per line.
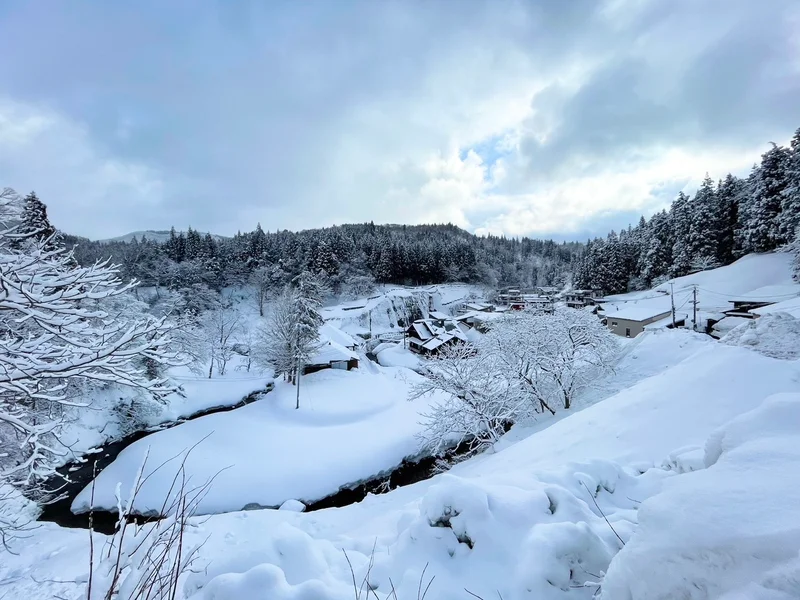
352	425
675	478
522	521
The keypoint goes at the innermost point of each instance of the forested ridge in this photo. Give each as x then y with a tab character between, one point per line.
721	222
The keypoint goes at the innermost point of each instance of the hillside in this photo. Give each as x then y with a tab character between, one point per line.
159	236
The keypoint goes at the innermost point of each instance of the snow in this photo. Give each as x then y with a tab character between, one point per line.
774	334
328	352
351	426
331	333
791	307
770	293
391	308
688	450
730	530
638	313
394	355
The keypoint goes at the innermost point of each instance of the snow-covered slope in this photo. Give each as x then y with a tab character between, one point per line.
152	235
529	520
760	276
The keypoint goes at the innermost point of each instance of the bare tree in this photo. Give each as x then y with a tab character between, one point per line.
477	401
221	325
551	357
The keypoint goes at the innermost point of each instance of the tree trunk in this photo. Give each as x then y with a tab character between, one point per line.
210	368
298	388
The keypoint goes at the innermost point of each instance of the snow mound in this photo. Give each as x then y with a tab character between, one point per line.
394	355
731	530
774	334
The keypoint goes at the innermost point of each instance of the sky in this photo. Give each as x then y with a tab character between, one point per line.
546	118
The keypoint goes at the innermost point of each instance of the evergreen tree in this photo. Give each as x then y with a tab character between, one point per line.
762	227
790	200
680	218
704	227
729	191
35	225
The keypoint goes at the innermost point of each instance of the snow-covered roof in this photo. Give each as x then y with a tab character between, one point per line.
333	334
480	306
422	330
791	306
638	312
440	339
329	352
435	314
666	321
769	293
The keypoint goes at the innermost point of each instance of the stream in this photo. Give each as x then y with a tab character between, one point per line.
80	473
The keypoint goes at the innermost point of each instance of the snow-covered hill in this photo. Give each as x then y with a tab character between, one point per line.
159	236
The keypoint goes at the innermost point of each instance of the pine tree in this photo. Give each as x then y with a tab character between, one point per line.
680	225
35	225
729	192
762	227
704	227
790	200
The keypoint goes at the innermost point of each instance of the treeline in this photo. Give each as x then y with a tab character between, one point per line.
719	224
358	254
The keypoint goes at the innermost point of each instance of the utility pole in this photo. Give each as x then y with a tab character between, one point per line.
672	300
694	307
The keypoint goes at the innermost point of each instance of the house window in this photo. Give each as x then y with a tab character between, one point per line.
627	332
613	323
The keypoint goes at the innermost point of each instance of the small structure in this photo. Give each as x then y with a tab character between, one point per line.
477	307
581	298
631	321
331	355
547	291
744	305
429	336
330	333
538	303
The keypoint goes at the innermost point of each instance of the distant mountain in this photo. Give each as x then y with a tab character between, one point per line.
154	236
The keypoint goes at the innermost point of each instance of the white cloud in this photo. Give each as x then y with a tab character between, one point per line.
86	190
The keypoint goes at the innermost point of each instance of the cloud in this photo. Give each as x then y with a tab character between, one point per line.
45	151
519	117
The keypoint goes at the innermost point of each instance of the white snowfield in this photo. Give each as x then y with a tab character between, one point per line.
351	426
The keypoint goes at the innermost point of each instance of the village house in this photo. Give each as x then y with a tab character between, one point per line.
429	336
630	321
547	291
538	303
748	307
476	307
744	305
331	355
581	298
330	333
